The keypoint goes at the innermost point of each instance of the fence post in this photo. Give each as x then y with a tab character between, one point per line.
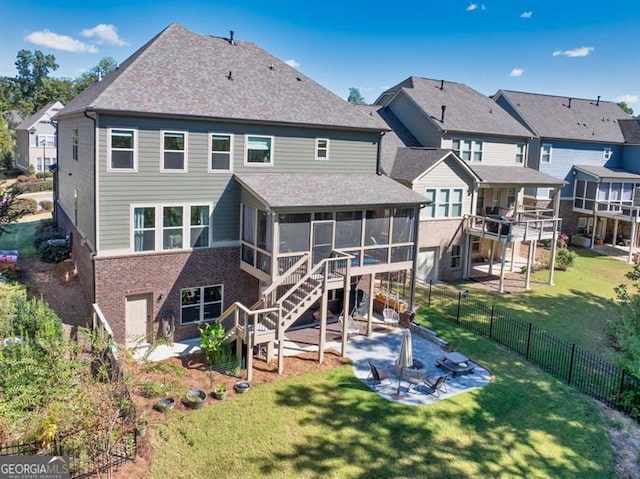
430	284
459	301
528	342
573	352
621	386
491	322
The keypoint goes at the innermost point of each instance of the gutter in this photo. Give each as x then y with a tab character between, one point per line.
95	198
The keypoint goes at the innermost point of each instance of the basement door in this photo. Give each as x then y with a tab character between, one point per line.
138	318
427	268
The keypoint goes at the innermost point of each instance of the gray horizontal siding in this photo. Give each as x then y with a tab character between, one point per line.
416	121
293	151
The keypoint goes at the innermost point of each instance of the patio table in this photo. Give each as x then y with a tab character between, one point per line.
456	363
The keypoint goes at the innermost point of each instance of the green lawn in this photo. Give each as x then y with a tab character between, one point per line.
577	308
330	425
20	237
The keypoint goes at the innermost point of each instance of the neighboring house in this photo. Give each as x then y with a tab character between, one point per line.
190	190
36	139
474	190
567	132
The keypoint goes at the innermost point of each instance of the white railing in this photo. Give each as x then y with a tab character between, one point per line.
99	322
520	229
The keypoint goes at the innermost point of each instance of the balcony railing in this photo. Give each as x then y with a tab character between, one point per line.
524	226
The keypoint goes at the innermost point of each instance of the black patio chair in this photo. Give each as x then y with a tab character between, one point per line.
434	387
377	375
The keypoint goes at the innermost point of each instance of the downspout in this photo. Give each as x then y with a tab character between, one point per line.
416	249
56	187
379	154
95	198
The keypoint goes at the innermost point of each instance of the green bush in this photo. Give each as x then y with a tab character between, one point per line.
24	206
213	344
46	205
41	175
31	170
46	235
46	223
7	160
33	186
54	251
564	258
13	172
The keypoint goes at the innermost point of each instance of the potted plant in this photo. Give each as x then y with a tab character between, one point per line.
165	405
241	387
194	398
220	392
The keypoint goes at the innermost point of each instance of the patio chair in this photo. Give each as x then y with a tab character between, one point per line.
377	375
352	327
390	316
435	387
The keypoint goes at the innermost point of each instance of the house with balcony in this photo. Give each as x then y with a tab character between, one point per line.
36	139
240	191
467	157
567	132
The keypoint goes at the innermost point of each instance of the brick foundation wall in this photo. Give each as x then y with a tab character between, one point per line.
81	255
166	274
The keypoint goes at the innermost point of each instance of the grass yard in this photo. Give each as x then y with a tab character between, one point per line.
576	308
20	237
330	425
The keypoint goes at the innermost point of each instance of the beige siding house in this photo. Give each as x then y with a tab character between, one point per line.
36	139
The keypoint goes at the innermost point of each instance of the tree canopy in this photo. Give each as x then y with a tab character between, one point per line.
626	108
355	96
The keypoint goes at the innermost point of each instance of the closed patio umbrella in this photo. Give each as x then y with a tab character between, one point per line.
405	356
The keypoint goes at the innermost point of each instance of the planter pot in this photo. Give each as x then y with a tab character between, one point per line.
241	387
220	396
195	398
164	405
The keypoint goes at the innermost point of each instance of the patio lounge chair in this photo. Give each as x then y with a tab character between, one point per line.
433	387
377	375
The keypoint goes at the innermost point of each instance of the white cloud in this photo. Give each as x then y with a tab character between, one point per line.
516	72
104	33
628	98
292	63
526	14
472	7
483	7
65	43
576	52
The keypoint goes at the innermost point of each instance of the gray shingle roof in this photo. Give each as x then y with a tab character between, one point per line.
608	174
631	130
550	116
308	190
467	110
180	72
514	175
37	116
411	163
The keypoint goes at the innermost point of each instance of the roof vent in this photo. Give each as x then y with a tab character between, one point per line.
298	78
231	40
569	105
230	75
442	85
271	67
598	101
443	107
491	110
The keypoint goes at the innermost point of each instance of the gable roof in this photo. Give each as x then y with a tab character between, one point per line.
608	174
307	190
411	163
467	110
630	130
551	117
183	73
49	110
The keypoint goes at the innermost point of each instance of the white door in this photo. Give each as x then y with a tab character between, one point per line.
427	266
137	319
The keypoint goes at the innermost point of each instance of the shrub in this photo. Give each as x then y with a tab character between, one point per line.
564	258
7	160
24	206
46	205
33	186
46	223
9	270
13	172
41	175
46	235
54	251
31	170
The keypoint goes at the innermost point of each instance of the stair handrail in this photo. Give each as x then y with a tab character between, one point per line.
280	279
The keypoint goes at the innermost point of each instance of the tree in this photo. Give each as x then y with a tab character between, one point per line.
104	66
9	214
355	96
626	108
33	69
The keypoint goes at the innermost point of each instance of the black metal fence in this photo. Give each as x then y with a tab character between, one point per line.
109	448
585	371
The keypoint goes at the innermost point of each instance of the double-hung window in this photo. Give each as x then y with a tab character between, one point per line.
144	229
220	152
46	140
201	304
122	150
174	151
456	256
74	144
468	150
545	153
519	153
199	226
443	203
322	149
259	150
429	211
172	225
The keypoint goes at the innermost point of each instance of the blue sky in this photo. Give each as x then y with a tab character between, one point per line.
561	47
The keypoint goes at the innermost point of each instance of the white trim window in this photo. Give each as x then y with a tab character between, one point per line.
144	228
174	151
199	228
74	144
607	153
468	150
44	166
258	150
122	153
322	149
520	153
221	152
545	153
172	227
200	304
429	211
443	203
48	141
456	256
